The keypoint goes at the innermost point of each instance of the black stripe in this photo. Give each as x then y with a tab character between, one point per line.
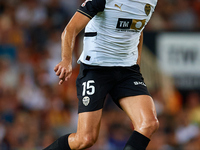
90	34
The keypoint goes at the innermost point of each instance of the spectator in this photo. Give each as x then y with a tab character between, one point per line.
184	17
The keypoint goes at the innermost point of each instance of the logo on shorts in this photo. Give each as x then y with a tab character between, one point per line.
139	83
129	147
86	100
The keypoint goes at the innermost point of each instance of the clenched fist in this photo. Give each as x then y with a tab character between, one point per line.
63	70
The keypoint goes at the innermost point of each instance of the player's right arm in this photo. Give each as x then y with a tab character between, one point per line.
76	24
80	19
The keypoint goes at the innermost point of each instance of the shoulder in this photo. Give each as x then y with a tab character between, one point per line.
91	7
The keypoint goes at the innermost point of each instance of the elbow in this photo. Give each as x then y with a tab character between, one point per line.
63	34
68	31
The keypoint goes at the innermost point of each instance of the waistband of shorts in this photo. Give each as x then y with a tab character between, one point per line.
85	66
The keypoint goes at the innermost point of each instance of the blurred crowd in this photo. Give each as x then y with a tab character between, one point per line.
35	110
176	15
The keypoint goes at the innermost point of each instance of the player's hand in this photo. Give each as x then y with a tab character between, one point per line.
63	70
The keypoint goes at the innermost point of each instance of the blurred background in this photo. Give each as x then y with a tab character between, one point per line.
35	110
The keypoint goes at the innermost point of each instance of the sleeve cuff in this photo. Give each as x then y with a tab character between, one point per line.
84	13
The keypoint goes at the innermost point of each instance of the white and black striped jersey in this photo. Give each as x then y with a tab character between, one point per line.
112	35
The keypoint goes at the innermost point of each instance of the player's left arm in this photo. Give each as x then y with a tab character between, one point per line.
140	48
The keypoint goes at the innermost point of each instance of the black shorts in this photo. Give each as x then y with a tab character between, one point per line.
95	82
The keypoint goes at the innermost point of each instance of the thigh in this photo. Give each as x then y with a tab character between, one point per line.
87	129
141	110
89	122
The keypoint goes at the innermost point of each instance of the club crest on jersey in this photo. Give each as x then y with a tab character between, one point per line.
147	9
85	3
86	100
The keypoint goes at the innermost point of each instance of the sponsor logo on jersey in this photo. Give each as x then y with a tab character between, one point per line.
130	24
120	7
147	9
139	83
86	100
85	3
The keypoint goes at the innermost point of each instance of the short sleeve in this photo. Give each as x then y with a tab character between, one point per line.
91	7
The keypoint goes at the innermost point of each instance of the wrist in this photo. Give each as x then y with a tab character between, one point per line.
69	59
